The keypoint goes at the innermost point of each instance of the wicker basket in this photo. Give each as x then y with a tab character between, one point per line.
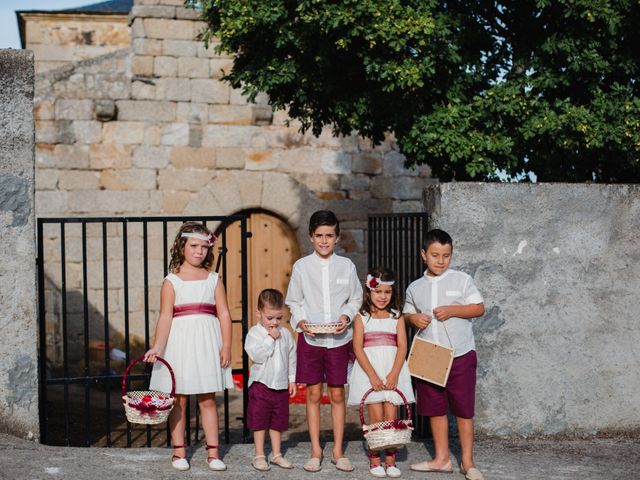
320	328
387	434
148	407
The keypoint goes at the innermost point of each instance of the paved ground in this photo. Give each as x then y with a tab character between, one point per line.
617	458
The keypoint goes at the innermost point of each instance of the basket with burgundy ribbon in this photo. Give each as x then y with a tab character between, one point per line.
148	407
388	433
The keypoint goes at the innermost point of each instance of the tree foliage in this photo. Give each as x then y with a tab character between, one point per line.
469	87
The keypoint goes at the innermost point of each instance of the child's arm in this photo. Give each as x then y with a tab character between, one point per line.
295	302
225	324
167	298
292	366
391	381
445	312
411	314
361	356
259	348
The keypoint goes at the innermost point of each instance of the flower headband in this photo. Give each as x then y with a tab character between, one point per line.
374	282
210	239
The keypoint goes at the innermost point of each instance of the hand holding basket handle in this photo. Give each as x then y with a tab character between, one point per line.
148	407
388	433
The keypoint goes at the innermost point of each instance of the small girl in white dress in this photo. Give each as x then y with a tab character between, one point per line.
193	335
380	345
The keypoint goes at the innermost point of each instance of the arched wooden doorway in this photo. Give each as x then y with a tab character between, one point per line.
272	250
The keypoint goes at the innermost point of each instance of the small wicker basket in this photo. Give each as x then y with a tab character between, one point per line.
322	328
148	407
387	434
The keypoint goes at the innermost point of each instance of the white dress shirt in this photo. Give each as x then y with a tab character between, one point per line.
320	290
450	288
274	361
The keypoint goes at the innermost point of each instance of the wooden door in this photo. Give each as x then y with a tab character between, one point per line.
272	250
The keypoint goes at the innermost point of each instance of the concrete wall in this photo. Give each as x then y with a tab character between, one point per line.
559	267
18	324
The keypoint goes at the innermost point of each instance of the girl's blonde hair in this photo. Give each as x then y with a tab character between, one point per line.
386	275
177	249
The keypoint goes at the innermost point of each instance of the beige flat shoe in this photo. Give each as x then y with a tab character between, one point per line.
472	474
282	462
425	467
343	464
259	462
313	465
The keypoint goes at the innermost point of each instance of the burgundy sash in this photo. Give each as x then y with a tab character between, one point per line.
380	339
194	309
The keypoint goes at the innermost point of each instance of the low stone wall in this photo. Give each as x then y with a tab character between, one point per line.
18	321
559	267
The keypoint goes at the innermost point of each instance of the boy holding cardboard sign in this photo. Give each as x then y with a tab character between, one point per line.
450	297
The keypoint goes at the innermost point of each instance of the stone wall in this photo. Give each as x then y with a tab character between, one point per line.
18	321
559	267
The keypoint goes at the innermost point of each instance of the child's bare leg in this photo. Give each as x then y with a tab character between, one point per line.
314	395
390	413
338	413
276	442
258	439
376	414
209	419
440	432
178	423
465	431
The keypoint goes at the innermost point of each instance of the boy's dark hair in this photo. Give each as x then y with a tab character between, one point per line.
271	297
386	275
323	217
436	236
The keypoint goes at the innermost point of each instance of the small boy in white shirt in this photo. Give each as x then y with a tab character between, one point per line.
452	299
324	288
272	350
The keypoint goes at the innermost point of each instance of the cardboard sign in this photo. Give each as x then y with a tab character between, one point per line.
430	361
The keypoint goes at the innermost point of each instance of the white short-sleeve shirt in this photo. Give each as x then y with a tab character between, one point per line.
450	288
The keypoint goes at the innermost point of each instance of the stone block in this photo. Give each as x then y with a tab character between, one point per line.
356	182
132	179
44	110
233	136
45	157
87	131
126	133
175	134
142	65
187	13
192	112
367	162
137	29
195	136
397	188
171	29
393	165
144	110
46	179
281	194
318	182
230	158
152	135
176	3
299	160
165	66
338	195
188	157
106	110
78	180
72	156
174	203
153	11
51	202
209	91
262	114
143	90
336	162
237	98
189	180
193	67
146	2
260	160
179	48
148	46
108	202
151	157
74	109
46	131
102	87
220	67
110	156
231	114
174	89
66	133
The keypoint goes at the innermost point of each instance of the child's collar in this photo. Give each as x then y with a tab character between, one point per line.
436	278
324	260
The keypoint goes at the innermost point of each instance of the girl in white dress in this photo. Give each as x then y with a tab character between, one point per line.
380	345
193	335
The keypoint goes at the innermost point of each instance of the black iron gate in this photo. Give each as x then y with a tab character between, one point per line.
394	241
97	278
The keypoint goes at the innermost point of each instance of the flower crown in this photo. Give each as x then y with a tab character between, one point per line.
210	239
373	282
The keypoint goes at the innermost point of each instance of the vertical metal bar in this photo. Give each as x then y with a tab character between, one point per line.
125	307
245	324
165	267
87	370
65	345
224	280
42	358
145	262
107	363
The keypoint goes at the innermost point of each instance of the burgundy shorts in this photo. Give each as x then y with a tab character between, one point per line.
268	409
321	364
459	394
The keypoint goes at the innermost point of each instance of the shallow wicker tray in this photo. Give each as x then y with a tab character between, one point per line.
323	327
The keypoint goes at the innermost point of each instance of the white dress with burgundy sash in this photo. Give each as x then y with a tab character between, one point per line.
195	340
380	345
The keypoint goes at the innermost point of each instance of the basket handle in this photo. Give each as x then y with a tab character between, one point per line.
139	359
368	392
